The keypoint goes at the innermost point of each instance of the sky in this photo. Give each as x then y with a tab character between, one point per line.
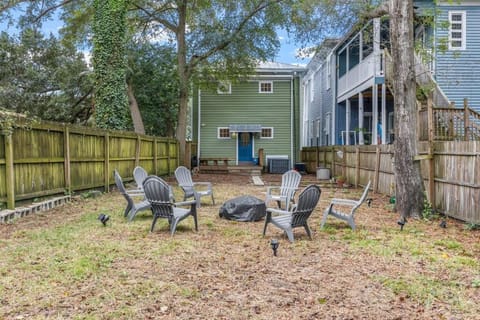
287	53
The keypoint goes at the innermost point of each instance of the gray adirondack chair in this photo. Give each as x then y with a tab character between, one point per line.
132	206
298	216
139	175
286	192
344	209
193	189
157	193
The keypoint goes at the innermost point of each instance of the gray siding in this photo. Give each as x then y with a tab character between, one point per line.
321	104
458	72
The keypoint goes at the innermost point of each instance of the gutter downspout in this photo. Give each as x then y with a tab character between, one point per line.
199	125
291	120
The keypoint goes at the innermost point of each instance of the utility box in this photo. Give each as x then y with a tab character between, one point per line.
278	165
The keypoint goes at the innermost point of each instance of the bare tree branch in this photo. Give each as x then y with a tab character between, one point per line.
154	16
46	11
223	44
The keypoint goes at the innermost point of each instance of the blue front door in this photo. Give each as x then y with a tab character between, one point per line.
245	146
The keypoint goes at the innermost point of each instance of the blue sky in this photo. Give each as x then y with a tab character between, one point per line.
287	53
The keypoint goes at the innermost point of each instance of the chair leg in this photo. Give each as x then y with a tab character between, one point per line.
290	235
127	209
325	215
213	200
132	214
307	229
153	223
173	227
351	222
194	214
267	220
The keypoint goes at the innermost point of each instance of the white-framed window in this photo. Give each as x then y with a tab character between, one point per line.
224	87
457	32
223	133
267	133
265	86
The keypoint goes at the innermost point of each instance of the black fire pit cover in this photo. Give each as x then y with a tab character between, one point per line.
244	208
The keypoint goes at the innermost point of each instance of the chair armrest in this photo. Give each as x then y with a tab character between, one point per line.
185	203
270	188
279	211
344	202
135	193
208	184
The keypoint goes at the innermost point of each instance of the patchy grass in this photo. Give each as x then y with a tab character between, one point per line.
64	264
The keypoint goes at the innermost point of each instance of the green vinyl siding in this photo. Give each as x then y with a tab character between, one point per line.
245	105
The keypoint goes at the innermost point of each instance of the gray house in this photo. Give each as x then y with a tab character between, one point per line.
249	122
347	99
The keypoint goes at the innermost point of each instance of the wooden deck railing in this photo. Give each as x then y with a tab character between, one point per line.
451	123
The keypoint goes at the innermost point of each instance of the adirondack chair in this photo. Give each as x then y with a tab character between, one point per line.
192	189
298	216
286	192
344	209
132	206
157	193
139	174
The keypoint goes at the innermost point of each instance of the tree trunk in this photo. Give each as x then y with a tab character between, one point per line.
135	111
183	80
408	180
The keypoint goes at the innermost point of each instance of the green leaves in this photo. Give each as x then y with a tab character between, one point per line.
109	63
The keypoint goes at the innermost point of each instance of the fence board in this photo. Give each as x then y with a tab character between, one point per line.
456	172
49	158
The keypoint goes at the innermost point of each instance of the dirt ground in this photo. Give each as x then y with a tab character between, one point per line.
227	270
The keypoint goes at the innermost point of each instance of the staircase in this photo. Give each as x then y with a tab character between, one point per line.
449	122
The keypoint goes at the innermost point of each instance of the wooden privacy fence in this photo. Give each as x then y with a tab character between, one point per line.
451	173
49	158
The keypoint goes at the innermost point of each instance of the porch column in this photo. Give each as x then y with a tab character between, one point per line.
375	113
347	123
360	119
384	113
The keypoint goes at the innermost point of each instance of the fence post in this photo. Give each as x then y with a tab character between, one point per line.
357	166
333	162
431	159
9	171
106	145
466	117
377	169
137	150
155	160
168	155
66	157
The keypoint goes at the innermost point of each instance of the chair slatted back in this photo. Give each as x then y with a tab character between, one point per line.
157	192
364	195
184	178
139	174
290	181
307	201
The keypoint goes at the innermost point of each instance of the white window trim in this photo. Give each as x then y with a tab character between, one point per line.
464	30
223	138
271	128
224	83
260	86
312	89
329	70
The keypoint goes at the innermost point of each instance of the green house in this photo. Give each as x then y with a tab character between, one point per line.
250	122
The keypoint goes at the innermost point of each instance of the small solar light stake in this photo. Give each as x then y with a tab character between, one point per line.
401	223
274	244
443	224
103	218
369	202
